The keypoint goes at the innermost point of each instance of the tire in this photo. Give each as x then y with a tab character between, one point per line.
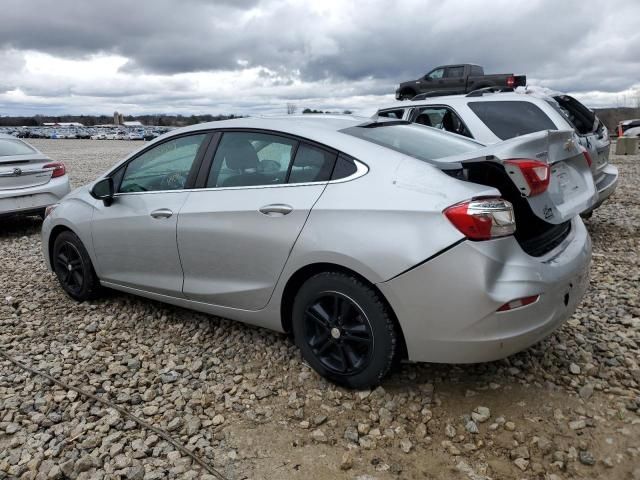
407	94
344	330
72	265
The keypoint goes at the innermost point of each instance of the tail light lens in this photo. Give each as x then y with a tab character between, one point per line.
483	218
587	156
58	169
536	175
511	81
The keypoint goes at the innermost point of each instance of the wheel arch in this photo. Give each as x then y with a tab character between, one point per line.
55	232
297	279
408	91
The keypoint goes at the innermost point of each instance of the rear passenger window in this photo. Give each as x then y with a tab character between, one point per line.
510	119
249	159
344	168
454	72
397	114
312	164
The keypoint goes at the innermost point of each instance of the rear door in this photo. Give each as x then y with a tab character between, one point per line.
454	78
236	232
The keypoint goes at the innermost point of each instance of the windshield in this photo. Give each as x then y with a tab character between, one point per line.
418	141
14	147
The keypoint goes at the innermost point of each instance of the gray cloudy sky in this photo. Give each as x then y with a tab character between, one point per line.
255	56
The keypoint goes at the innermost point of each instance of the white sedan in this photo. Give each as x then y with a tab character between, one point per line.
29	180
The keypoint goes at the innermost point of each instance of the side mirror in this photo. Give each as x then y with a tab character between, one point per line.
427	77
104	190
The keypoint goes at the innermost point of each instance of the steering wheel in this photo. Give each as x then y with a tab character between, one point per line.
173	181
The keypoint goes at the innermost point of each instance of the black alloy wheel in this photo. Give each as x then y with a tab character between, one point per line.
69	268
72	265
338	332
345	330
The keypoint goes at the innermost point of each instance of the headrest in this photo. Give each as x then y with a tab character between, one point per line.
424	119
239	153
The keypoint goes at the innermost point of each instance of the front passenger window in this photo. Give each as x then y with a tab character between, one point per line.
164	167
436	74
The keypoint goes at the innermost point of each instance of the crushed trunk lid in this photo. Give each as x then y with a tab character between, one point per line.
571	189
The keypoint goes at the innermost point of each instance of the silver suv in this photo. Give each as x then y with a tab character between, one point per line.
493	117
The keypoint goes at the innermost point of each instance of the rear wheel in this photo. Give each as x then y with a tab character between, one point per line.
73	267
344	330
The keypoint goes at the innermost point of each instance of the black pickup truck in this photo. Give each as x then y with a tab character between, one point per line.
456	79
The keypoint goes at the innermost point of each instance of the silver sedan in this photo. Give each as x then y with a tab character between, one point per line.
29	180
368	241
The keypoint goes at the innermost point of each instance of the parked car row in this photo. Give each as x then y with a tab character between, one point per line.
440	230
94	133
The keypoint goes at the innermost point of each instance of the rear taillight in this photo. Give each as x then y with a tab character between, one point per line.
520	302
483	218
587	156
58	169
535	173
511	81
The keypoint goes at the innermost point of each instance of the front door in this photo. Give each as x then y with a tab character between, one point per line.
235	235
134	238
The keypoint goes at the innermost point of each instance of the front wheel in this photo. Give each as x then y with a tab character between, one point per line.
72	265
344	330
407	95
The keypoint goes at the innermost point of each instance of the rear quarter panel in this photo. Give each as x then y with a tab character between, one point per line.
381	224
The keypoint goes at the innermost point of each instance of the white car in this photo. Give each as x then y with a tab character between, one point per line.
632	132
491	117
29	180
135	136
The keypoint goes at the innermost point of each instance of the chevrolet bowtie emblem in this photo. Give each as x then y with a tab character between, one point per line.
569	145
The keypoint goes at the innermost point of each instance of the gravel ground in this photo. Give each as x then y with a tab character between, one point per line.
243	401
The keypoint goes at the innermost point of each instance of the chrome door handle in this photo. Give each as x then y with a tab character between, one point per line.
276	209
161	213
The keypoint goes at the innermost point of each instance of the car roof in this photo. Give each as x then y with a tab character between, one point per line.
286	122
7	136
321	128
454	100
324	129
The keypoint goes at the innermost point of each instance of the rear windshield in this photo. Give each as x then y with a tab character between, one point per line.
418	141
511	119
14	147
